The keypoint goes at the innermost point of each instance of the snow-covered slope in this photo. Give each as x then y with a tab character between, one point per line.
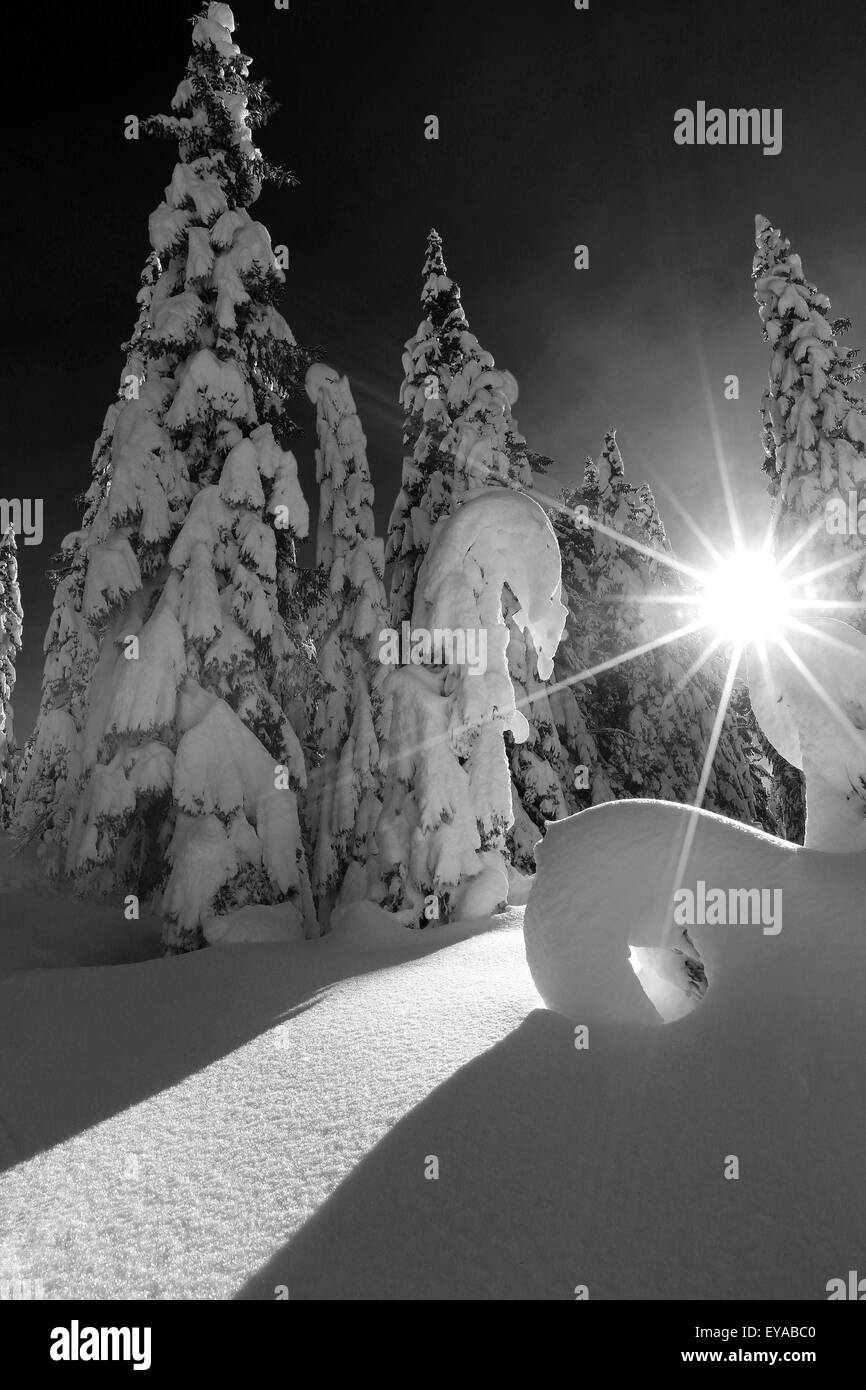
242	1119
174	1122
40	927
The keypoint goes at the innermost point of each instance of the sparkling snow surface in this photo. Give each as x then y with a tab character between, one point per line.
243	1118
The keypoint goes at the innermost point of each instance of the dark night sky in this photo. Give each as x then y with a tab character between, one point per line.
556	128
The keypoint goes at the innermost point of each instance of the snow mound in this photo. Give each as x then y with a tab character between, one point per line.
605	948
482	895
368	924
282	922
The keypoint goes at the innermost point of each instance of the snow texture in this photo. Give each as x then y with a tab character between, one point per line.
228	1123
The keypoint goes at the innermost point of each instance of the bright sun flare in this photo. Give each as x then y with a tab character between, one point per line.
746	598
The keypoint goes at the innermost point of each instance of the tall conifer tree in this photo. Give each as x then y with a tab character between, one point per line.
814	436
185	777
464	436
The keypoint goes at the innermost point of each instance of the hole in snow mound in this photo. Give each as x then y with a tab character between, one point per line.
673	980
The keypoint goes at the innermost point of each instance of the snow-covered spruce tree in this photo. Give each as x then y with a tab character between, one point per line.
430	360
573	705
11	624
650	717
49	782
190	767
459	433
447	807
599	573
814	426
489	451
344	795
814	435
462	433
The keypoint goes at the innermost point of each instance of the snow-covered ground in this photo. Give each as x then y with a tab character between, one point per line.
249	1117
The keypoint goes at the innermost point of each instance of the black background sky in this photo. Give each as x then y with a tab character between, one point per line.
556	129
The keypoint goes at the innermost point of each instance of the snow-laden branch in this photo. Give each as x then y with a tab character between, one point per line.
448	804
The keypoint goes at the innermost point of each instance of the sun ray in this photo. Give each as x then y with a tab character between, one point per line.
828	638
697	532
699	664
832	567
647	551
718	723
548	689
760	649
706	770
847	605
827	700
715	435
799	545
612	663
673	600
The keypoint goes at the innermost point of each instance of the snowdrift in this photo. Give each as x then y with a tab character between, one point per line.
229	1122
